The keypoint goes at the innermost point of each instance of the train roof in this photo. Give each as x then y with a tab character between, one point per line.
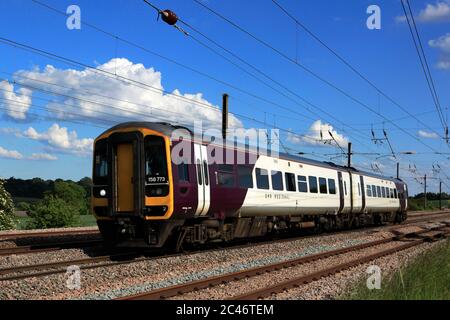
168	129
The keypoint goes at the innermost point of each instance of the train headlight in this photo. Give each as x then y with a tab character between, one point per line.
103	192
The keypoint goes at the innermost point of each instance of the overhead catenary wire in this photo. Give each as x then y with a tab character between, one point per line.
201	73
422	57
175	62
309	71
303	136
347	63
252	67
115	37
104	72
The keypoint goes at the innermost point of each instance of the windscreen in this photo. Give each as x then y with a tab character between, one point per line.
101	163
155	160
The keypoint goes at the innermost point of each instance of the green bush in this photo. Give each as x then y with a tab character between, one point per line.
53	212
73	194
6	209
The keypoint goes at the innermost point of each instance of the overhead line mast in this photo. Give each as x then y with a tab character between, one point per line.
347	63
306	69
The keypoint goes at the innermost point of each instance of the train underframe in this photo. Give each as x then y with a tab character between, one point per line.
176	234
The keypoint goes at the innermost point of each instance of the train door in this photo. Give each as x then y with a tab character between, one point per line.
356	193
341	192
125	176
203	181
126	172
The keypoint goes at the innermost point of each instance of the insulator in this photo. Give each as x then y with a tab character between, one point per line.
169	17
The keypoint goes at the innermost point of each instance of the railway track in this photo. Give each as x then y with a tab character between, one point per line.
48	247
40	270
425	214
178	290
21	235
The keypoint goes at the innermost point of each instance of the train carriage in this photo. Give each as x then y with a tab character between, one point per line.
153	189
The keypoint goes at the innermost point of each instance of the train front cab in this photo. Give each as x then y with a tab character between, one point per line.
132	203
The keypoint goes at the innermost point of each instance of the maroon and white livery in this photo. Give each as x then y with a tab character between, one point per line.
144	194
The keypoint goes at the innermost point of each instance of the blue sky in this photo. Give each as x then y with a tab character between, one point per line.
40	136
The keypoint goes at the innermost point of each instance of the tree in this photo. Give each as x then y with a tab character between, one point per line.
73	194
6	209
86	183
53	212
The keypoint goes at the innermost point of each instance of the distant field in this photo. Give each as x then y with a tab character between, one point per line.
418	204
426	278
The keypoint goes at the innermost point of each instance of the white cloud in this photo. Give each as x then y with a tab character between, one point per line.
16	104
130	102
313	137
43	157
10	154
440	11
443	45
400	19
428	135
61	139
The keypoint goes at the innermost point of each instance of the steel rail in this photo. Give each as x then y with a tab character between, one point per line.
176	290
315	276
12	236
47	247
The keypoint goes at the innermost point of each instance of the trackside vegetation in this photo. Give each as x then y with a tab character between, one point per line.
6	209
425	278
51	204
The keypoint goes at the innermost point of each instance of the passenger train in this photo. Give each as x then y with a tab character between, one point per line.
143	196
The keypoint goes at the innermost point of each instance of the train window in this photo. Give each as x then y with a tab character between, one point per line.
313	185
277	180
345	187
225	175
369	191
383	192
374	191
101	163
183	172
245	177
290	182
225	168
323	185
395	193
262	178
199	173
359	189
332	186
155	160
225	179
302	184
379	191
392	193
206	172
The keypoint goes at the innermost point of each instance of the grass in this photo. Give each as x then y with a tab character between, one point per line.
426	278
418	204
84	221
87	221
